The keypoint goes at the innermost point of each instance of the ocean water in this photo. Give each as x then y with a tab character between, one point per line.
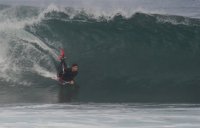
100	115
138	60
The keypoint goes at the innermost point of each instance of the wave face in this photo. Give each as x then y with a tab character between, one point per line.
141	58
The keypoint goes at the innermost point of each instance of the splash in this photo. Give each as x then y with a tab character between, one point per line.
21	50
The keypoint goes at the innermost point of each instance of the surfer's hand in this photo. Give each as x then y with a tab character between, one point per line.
72	82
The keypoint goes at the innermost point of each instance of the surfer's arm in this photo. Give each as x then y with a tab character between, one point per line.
73	81
64	64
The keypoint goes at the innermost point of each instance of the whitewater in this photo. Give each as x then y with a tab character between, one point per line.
138	60
100	115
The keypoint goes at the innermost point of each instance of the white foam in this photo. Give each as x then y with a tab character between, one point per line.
43	72
98	116
173	21
12	38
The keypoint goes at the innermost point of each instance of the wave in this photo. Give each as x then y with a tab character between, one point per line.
139	58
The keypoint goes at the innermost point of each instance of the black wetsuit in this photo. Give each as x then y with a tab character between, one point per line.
69	75
65	73
61	68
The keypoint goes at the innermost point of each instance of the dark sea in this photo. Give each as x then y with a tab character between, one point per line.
139	63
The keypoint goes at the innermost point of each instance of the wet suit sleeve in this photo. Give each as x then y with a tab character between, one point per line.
69	75
62	66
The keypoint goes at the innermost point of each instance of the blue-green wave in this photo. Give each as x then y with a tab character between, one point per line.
142	58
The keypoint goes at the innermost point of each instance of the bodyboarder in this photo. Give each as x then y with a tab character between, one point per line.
65	74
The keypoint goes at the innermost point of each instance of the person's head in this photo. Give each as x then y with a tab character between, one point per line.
74	67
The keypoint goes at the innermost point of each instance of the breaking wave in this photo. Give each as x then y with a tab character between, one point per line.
140	57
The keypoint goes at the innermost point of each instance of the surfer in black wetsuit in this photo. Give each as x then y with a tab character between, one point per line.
70	73
66	74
